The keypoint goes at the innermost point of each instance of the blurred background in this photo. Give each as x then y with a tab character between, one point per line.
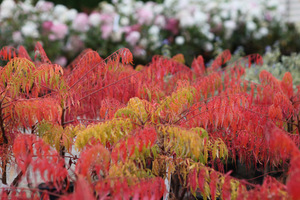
168	27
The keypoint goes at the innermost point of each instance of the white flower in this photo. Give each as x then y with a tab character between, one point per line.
138	4
6	9
229	24
200	17
44	6
263	31
27	8
179	40
95	19
116	36
158	8
71	14
216	19
126	10
211	5
205	29
272	3
256	13
185	19
130	2
124	21
210	36
30	30
46	16
224	14
251	26
208	46
144	42
234	15
154	30
169	3
182	4
107	8
59	10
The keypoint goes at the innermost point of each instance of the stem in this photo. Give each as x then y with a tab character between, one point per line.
62	148
298	123
167	182
4	177
5	142
17	180
290	125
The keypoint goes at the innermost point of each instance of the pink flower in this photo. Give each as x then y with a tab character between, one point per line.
160	21
81	22
74	44
44	6
133	37
126	29
106	30
47	25
17	37
138	51
172	25
268	17
135	27
59	31
145	16
62	61
107	18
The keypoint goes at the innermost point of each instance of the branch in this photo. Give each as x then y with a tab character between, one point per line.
95	120
3	96
53	90
17	180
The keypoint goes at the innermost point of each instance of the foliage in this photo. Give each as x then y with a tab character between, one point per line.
277	64
163	130
187	27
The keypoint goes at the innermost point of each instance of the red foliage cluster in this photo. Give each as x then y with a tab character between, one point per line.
259	123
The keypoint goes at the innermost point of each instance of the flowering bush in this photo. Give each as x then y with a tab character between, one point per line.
165	131
277	65
189	27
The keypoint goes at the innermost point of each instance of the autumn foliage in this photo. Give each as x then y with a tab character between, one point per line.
156	131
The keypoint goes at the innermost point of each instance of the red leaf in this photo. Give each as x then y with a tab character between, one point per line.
221	59
213	184
39	50
193	180
8	53
201	180
198	65
83	190
226	189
